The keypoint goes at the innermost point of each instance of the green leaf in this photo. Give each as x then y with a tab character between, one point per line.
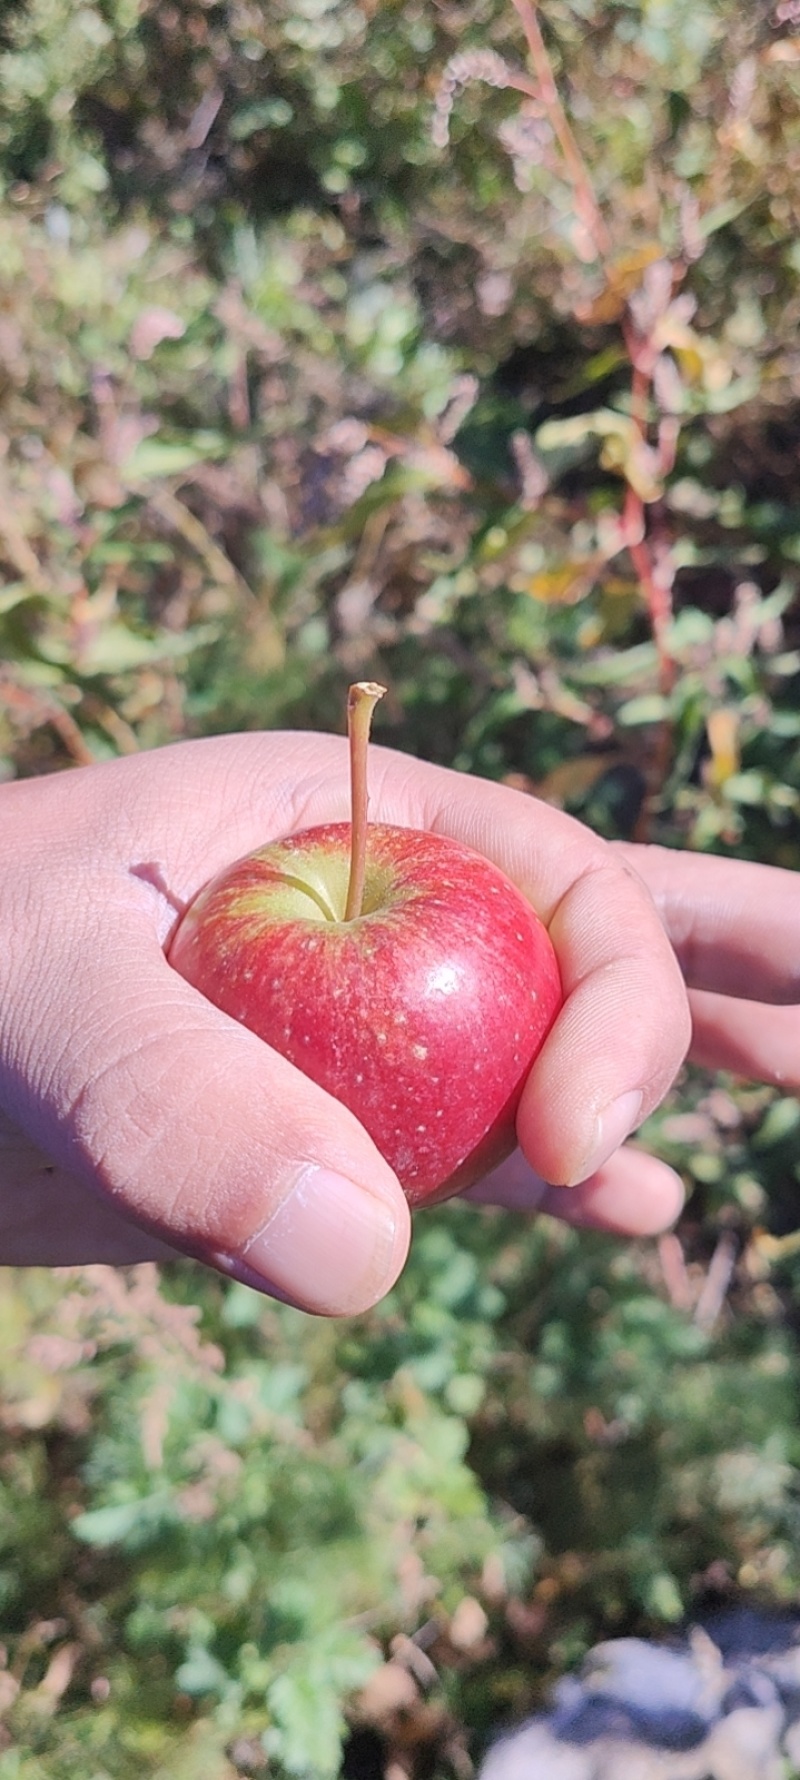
615	668
662	1597
201	1673
305	1704
118	650
159	456
15	593
124	1521
309	1727
780	1122
746	788
264	114
651	707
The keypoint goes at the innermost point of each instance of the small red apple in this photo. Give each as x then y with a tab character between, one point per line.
422	1011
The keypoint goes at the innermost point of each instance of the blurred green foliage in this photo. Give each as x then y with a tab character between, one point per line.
309	369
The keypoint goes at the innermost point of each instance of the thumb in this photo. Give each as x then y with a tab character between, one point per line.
196	1130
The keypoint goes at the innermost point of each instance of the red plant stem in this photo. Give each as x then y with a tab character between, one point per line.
657	594
656	589
547	92
659	602
361	701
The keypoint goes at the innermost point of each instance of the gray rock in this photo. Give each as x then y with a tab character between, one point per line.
630	1687
703	1710
534	1751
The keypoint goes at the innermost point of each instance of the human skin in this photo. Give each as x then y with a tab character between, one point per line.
735	930
138	1122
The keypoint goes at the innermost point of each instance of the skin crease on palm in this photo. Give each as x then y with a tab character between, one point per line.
136	1121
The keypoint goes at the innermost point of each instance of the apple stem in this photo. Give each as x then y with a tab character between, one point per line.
361	701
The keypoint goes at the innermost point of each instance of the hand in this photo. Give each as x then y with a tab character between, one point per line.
735	930
141	1121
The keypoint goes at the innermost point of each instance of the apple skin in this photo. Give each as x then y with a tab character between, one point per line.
423	1015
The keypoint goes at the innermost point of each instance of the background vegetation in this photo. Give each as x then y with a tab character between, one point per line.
328	347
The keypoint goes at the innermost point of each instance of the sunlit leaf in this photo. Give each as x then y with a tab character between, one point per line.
651	707
623	276
722	726
154	457
561	586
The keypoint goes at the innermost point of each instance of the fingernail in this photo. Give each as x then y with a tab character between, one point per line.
611	1129
332	1246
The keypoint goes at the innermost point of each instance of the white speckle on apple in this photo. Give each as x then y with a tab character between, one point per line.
381	1037
419	1051
443	980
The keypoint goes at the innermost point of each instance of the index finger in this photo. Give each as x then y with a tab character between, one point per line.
734	924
